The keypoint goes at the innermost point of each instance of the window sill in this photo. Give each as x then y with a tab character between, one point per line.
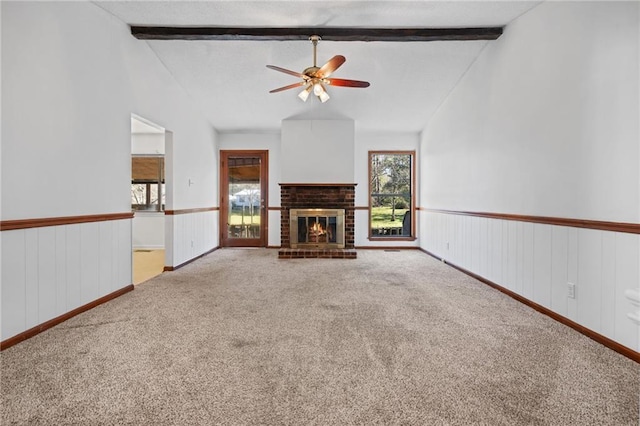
392	238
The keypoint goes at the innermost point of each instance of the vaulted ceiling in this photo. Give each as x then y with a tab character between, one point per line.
229	80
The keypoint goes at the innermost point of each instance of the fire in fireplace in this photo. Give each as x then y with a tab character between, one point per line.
317	228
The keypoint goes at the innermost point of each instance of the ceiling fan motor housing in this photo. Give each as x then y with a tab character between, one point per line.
310	71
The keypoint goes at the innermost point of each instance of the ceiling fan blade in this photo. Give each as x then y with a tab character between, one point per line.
346	83
291	86
286	71
331	65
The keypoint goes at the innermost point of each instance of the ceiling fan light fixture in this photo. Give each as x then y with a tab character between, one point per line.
324	96
304	95
318	89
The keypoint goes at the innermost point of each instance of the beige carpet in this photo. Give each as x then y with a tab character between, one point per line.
240	337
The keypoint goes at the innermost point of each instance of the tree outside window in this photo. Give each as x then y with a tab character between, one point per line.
391	194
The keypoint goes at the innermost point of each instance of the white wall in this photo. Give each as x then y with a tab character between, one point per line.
545	123
147	143
188	235
317	151
148	230
72	75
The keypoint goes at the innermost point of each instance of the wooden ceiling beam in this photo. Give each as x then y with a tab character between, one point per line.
333	34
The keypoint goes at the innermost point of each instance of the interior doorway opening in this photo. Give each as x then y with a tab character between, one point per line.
148	195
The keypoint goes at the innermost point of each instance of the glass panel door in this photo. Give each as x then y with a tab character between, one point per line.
244	204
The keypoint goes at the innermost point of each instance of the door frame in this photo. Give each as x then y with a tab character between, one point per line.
262	241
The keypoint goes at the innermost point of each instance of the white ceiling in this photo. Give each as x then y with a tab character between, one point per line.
229	80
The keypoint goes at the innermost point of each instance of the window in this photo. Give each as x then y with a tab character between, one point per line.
391	195
147	183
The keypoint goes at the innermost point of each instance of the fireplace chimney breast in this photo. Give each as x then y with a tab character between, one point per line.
317	151
317	196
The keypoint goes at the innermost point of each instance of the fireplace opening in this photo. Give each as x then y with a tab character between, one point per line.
317	228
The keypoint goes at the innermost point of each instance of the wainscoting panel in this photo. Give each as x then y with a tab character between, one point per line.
274	228
608	292
31	284
627	253
559	269
169	244
538	261
73	269
527	260
193	234
62	282
475	246
513	281
14	269
105	271
89	262
572	266
47	288
589	278
48	271
541	264
495	250
125	255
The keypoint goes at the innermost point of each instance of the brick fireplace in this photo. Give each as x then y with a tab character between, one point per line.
317	196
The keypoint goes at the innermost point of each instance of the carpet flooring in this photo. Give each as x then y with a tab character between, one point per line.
239	337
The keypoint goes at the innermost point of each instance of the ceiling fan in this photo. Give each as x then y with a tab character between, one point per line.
315	78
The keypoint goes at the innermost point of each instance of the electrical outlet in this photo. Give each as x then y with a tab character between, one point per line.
447	245
192	243
571	287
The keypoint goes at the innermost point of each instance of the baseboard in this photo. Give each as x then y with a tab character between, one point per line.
370	247
173	268
603	340
387	248
5	344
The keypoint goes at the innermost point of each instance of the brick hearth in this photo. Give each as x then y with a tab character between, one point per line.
318	196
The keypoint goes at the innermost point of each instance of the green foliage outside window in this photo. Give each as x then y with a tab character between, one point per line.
390	189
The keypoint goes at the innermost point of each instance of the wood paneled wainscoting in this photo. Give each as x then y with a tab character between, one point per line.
537	260
55	268
193	232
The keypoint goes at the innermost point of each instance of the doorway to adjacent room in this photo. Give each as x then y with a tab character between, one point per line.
147	198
